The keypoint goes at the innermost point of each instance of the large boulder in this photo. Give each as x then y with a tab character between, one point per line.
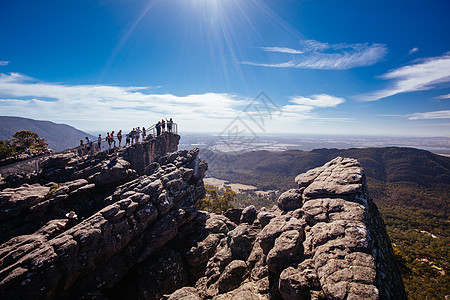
290	200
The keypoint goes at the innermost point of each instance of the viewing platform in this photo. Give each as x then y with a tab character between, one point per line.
139	154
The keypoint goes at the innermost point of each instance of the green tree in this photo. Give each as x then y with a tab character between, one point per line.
217	201
6	149
23	139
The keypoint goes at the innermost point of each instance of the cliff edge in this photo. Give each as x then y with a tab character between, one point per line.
138	235
324	240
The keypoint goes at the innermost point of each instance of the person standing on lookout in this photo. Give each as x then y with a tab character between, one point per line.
127	139
82	148
138	134
99	142
119	137
158	128
88	146
169	125
108	139
163	125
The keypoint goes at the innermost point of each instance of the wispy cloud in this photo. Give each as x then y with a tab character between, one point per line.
318	55
302	107
443	97
422	75
4	62
24	96
441	114
281	50
322	100
413	50
89	106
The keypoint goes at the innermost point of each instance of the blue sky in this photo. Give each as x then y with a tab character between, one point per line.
329	67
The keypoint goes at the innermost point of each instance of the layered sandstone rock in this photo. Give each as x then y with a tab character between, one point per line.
139	235
325	240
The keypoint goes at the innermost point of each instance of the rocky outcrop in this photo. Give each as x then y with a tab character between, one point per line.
325	240
135	222
139	236
60	167
68	182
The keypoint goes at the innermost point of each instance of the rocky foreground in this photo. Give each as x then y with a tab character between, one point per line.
139	236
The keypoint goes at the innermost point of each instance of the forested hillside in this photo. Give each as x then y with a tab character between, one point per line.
411	188
58	136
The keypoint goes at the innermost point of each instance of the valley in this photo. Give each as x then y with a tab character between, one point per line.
411	188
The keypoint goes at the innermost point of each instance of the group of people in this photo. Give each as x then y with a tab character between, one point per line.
86	146
29	153
131	137
134	136
161	126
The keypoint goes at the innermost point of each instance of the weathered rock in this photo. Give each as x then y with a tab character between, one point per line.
275	228
14	201
290	200
248	291
240	240
203	250
99	251
161	275
232	276
287	249
331	246
293	285
234	214
248	215
140	236
219	224
264	217
185	293
341	176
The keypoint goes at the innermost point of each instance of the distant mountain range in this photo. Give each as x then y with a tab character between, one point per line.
268	170
58	136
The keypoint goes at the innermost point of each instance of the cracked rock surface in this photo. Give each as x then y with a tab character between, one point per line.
140	236
324	240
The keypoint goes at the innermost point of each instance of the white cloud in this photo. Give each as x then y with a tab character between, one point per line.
413	50
443	97
441	114
318	55
281	50
303	107
104	103
4	62
424	75
96	107
322	100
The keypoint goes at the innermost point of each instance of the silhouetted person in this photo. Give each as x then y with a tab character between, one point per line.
169	125
88	146
127	139
82	147
119	137
99	142
158	128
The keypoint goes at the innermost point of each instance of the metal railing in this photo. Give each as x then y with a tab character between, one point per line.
32	164
173	128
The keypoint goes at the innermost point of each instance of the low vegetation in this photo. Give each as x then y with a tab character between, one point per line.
217	201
